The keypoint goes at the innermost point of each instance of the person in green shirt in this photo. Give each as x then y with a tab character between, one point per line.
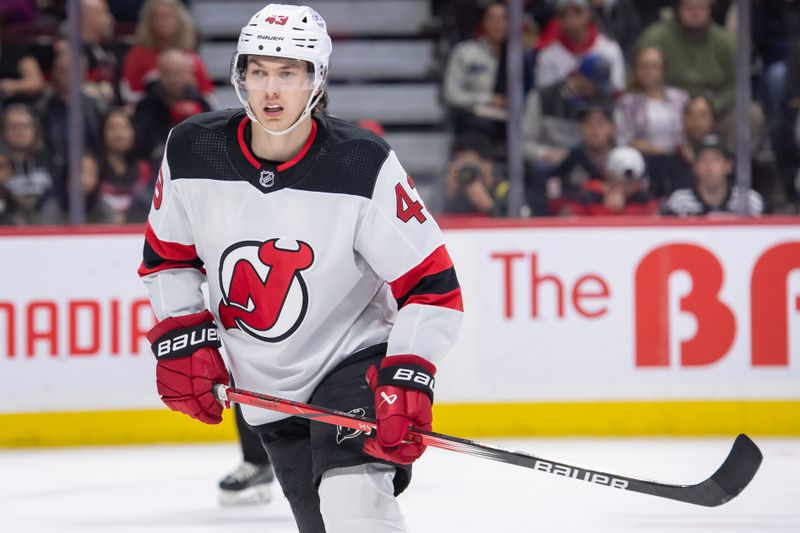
700	58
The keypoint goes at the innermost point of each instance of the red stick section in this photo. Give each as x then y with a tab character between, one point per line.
289	407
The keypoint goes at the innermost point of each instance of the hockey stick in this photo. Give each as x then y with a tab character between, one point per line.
728	481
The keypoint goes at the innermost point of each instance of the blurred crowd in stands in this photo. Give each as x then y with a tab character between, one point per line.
142	76
629	105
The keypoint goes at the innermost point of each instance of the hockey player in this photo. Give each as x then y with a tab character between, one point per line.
328	280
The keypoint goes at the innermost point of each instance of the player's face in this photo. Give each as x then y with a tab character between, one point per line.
278	90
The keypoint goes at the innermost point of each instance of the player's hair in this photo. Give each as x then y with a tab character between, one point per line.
186	37
322	104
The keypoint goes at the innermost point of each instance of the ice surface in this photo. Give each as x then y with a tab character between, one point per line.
160	489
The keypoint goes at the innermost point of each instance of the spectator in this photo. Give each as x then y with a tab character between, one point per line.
122	175
651	11
53	110
471	185
551	125
712	191
163	24
699	54
789	148
474	82
459	20
21	78
126	12
7	204
621	190
97	29
773	24
17	12
31	182
699	58
168	100
585	161
649	117
619	19
573	36
97	211
674	171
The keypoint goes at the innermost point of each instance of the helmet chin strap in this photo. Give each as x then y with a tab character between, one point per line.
312	101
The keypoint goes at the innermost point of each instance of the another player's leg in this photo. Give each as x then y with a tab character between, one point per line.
251	482
290	452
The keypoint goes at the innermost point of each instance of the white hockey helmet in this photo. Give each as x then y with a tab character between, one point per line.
287	31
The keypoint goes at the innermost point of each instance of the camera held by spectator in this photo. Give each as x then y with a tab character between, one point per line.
472	187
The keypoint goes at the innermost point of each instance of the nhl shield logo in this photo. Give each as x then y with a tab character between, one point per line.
267	178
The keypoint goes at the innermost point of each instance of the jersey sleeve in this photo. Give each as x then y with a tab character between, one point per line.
171	269
402	243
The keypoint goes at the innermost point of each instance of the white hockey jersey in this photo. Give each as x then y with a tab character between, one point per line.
307	261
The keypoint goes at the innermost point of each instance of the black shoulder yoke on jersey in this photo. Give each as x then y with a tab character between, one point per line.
341	157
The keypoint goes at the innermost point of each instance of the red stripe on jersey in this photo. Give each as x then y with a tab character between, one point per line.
296	159
451	300
170	251
438	261
166	265
243	145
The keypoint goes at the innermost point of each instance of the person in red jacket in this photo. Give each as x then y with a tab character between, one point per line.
622	191
163	24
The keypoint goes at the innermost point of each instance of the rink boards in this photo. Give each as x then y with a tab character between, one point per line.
605	327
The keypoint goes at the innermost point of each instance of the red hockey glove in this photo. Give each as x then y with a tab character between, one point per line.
403	388
189	364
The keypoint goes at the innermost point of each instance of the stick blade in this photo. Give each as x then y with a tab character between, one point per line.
736	472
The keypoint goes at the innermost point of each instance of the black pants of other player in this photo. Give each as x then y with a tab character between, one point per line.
302	451
252	449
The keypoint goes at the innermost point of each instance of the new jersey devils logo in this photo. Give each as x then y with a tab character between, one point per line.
263	291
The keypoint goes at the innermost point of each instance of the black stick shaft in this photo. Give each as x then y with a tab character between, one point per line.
728	481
